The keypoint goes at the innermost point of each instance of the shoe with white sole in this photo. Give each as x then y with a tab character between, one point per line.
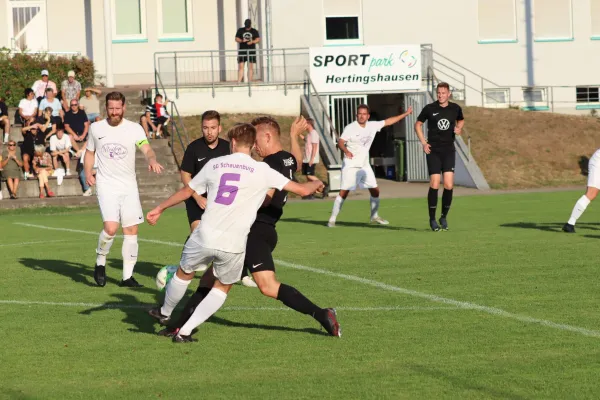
248	282
331	224
379	220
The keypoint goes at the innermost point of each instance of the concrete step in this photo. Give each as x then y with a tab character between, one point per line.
167	188
154	179
30	188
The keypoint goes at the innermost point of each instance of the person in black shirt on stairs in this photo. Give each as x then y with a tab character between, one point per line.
262	237
247	37
444	121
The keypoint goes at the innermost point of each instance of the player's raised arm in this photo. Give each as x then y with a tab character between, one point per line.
298	126
153	165
392	120
304	189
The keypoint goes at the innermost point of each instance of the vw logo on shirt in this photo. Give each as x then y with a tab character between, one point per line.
443	124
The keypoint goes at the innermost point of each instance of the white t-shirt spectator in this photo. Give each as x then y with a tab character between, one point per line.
309	140
55	104
358	142
57	144
28	106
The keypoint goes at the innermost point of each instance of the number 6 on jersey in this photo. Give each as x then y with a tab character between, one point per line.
226	193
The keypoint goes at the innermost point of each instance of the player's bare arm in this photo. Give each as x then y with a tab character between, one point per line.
344	149
179	196
392	120
421	136
88	166
153	165
298	127
304	189
186	177
459	126
268	198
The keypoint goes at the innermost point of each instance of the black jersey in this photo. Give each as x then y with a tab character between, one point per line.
198	154
284	163
440	123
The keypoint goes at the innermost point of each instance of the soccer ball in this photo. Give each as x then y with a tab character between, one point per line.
164	276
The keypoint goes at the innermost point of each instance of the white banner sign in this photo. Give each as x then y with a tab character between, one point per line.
365	68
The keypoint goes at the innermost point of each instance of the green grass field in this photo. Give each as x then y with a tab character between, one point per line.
502	306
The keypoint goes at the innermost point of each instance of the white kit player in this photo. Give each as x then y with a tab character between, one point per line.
112	145
356	142
236	186
593	187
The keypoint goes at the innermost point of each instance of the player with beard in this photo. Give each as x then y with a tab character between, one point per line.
262	238
112	143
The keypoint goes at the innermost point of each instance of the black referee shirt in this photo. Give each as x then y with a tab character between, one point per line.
198	154
284	163
440	123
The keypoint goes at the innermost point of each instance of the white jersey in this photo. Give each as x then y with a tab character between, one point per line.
61	144
358	142
236	186
115	148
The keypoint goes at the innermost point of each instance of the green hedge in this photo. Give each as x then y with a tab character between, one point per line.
19	71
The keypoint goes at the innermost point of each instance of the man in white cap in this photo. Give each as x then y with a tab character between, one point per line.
39	87
70	89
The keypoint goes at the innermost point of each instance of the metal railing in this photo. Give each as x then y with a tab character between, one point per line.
176	126
317	110
220	67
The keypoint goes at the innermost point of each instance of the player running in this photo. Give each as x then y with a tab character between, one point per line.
355	142
112	143
262	238
236	187
593	186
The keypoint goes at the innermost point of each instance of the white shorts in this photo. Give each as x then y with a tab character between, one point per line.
594	171
123	208
227	267
358	177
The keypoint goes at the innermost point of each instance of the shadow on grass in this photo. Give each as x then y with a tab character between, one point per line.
234	324
350	224
135	312
143	268
78	272
465	383
552	226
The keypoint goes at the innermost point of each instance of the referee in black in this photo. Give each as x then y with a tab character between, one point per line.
444	120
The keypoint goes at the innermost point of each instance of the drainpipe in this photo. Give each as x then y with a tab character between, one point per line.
108	44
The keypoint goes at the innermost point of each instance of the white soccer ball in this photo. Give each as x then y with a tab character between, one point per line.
164	276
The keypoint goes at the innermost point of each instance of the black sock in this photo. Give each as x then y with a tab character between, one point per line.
296	300
190	306
244	273
432	199
446	202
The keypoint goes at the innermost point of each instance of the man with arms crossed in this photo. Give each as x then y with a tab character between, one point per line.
236	187
355	142
262	237
444	121
112	144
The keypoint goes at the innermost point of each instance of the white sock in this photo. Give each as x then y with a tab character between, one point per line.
174	293
5	137
337	207
130	253
210	305
579	208
104	243
374	207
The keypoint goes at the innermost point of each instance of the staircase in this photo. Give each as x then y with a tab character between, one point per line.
153	188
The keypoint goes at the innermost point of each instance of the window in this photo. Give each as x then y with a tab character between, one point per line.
343	21
129	21
588	94
553	20
175	20
534	95
497	21
595	14
496	98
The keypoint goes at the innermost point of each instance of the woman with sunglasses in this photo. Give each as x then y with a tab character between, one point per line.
11	167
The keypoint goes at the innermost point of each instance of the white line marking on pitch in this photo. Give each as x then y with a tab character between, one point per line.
28	243
431	297
119	306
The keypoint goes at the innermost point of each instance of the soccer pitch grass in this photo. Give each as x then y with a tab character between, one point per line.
504	305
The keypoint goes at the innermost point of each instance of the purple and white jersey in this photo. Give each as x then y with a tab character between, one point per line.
236	186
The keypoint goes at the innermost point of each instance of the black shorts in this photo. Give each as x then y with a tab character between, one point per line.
194	212
161	120
247	55
262	240
441	160
307	169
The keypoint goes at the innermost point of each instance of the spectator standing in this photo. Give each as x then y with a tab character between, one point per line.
4	120
52	101
162	117
70	89
42	165
28	108
77	125
41	85
11	163
60	146
247	38
90	104
32	136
